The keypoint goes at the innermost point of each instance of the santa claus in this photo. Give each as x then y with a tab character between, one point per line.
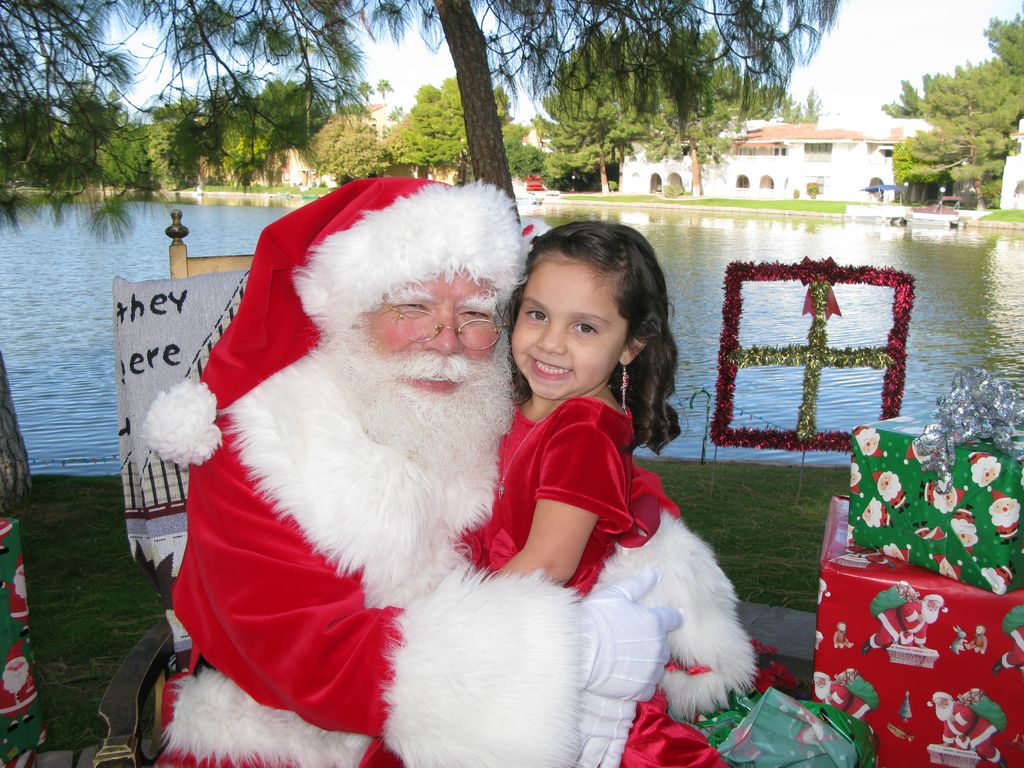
903	617
985	468
17	596
944	502
1005	513
970	721
1013	626
889	488
19	687
875	514
334	617
868	440
848	691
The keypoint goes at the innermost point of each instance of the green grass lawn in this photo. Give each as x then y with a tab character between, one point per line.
1016	215
90	603
806	206
88	600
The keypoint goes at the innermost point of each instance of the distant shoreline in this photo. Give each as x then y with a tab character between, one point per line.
969	221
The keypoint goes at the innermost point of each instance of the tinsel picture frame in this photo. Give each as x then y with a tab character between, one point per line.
819	276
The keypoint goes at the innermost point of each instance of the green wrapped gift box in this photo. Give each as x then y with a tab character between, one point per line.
971	533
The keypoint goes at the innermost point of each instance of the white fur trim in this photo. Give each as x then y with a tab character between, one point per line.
532	227
179	425
366	508
215	719
436	232
487	676
712	634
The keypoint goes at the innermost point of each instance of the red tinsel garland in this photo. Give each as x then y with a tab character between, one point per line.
808	271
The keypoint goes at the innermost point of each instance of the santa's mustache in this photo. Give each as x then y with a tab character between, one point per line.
428	366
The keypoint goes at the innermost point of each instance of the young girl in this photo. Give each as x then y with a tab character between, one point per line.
595	364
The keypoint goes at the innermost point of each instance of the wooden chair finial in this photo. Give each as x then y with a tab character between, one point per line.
177	231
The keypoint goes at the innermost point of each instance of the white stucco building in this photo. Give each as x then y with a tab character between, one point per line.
772	160
1013	174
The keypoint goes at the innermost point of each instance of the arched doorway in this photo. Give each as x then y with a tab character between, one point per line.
767	182
742	182
675	180
655	184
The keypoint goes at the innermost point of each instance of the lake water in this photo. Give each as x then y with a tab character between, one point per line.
56	316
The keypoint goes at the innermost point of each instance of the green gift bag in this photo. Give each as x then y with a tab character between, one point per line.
774	730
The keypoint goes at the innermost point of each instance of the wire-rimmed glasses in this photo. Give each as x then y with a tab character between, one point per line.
421	326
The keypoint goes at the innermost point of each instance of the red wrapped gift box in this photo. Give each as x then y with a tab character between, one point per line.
934	666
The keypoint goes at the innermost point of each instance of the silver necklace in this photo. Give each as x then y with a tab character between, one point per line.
507	466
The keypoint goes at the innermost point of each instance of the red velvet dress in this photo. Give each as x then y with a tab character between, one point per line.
580	455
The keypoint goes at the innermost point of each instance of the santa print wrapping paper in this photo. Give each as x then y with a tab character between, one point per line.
934	666
21	722
971	534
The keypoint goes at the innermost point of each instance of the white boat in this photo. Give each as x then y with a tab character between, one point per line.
878	214
945	213
529	204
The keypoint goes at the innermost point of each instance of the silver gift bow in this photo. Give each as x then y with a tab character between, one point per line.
979	407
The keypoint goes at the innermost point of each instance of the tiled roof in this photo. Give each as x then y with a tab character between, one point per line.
776	132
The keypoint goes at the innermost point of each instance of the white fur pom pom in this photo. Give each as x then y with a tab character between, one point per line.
180	426
532	227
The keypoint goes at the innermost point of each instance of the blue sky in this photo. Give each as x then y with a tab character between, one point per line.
873	47
876	44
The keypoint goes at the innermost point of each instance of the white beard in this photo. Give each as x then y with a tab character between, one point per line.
446	434
15	676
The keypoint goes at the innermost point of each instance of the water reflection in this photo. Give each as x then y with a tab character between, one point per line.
55	313
968	292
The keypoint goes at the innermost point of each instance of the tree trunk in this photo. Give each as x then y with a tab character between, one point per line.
480	111
15	480
696	183
605	189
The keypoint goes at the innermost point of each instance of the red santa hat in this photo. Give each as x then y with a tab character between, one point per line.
946	566
16	651
931	534
320	267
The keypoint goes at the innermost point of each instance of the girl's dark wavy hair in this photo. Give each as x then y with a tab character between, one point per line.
623	258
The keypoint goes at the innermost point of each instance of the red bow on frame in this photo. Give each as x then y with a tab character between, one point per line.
831	304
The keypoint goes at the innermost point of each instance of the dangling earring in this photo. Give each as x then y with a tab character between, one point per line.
625	386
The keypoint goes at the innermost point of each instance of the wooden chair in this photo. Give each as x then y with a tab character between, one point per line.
163	333
183	265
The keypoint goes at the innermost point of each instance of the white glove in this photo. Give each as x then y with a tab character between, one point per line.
604	725
625	644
